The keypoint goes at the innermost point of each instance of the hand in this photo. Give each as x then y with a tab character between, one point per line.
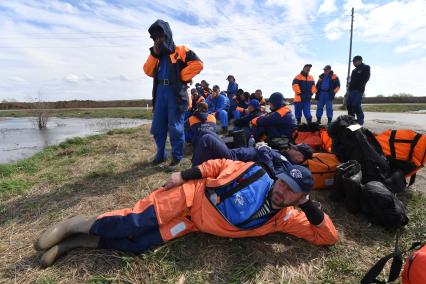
174	180
303	199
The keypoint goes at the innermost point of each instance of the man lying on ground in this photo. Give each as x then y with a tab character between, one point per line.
210	147
221	197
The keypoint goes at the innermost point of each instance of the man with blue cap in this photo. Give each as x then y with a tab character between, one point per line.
221	197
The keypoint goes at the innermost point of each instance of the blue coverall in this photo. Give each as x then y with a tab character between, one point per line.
167	117
325	98
219	107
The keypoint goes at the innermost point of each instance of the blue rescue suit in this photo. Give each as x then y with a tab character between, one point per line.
219	106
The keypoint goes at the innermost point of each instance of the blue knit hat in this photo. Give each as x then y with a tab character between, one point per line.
254	103
277	100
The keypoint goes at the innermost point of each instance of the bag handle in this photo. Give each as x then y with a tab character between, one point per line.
395	270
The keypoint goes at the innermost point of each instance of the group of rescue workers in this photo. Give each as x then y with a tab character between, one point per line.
241	192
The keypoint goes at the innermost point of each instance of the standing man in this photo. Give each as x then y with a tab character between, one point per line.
232	87
304	87
327	86
172	67
359	78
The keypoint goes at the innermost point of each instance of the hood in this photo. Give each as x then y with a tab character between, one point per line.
168	44
276	100
201	116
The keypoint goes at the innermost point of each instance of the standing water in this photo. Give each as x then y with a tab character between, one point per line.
20	138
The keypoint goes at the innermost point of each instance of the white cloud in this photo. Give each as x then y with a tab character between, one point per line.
327	7
95	50
72	78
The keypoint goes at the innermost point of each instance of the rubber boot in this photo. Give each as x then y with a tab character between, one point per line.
352	188
73	242
56	233
337	193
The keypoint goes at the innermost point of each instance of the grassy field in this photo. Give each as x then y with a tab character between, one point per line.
110	171
86	113
143	113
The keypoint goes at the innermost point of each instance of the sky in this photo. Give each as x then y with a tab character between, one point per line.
95	49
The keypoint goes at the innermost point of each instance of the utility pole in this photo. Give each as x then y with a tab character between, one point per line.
350	58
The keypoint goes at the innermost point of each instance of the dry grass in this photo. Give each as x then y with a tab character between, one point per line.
98	174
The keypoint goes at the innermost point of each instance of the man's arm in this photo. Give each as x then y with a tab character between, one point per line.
296	86
150	65
310	224
337	85
194	66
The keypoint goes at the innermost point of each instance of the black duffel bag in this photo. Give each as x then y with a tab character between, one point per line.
381	206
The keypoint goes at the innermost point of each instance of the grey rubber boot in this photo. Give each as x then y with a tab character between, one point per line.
58	232
73	242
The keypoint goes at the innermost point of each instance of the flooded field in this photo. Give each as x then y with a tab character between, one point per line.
19	138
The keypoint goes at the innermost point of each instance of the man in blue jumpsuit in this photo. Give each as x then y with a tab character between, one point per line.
279	123
219	106
327	86
172	67
210	146
359	78
232	87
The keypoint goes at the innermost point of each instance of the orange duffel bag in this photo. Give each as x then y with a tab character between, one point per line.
405	150
323	168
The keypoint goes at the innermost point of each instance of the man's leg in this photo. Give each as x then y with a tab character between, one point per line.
222	116
329	110
175	125
349	104
159	125
357	107
210	147
320	108
298	112
236	114
307	111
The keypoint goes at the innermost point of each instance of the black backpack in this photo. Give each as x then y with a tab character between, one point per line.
381	206
359	144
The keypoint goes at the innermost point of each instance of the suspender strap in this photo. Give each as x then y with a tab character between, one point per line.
254	177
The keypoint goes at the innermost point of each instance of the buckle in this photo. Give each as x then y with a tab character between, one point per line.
166	82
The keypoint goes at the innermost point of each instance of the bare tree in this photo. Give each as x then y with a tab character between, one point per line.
41	111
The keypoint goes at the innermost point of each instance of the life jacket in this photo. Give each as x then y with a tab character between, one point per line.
405	150
415	267
323	168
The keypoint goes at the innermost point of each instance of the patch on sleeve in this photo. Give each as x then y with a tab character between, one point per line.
288	216
178	228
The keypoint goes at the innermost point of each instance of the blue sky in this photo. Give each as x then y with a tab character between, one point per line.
64	50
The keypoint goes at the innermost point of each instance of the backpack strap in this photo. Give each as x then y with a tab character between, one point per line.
392	143
412	179
254	177
413	144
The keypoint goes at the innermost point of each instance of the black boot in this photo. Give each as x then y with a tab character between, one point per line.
318	120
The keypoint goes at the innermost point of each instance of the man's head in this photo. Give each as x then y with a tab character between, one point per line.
230	78
291	186
327	69
299	153
216	91
194	93
253	105
276	100
202	107
307	68
204	84
357	60
258	94
161	34
245	96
